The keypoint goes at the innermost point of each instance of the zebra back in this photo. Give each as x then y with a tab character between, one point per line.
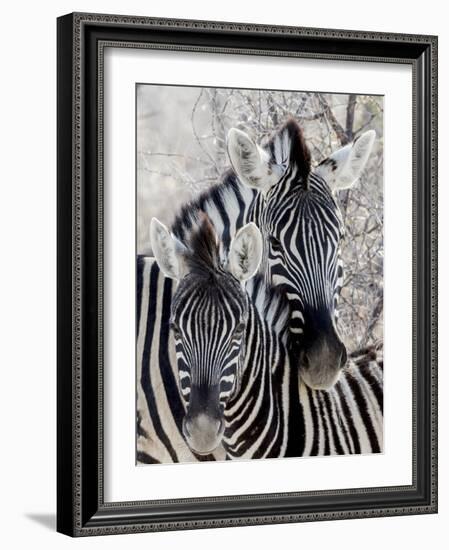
348	419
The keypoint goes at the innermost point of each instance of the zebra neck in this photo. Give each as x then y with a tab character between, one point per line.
271	306
256	423
226	204
265	349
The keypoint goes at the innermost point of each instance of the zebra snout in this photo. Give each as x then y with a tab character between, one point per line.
340	356
320	364
203	433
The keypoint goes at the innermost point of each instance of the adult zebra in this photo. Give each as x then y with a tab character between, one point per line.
233	360
297	212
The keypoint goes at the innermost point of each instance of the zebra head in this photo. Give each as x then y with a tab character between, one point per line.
302	227
208	320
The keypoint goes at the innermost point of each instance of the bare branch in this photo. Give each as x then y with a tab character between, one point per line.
350	110
338	129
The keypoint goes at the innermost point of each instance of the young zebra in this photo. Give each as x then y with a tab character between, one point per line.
233	363
160	406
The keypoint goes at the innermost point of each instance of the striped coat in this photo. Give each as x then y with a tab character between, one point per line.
345	420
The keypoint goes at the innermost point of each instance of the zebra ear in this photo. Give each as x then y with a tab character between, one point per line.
250	162
245	252
167	250
342	169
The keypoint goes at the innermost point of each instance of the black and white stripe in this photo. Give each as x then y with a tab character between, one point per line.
267	410
302	228
348	419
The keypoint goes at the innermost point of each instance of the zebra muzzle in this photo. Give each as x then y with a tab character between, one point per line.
203	433
321	365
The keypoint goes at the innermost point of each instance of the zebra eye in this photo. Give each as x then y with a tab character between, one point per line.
176	332
275	244
239	329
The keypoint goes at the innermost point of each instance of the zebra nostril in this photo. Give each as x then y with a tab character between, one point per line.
220	427
185	426
304	360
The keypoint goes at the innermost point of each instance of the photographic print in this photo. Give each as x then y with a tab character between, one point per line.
259	274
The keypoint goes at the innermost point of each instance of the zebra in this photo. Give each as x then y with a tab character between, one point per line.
298	214
159	404
234	370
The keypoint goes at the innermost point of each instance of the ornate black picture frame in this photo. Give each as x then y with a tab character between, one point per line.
81	510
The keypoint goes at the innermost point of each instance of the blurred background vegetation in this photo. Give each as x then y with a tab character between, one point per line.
181	151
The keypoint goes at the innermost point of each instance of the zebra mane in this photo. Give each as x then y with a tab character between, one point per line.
288	144
220	196
203	260
228	198
202	254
